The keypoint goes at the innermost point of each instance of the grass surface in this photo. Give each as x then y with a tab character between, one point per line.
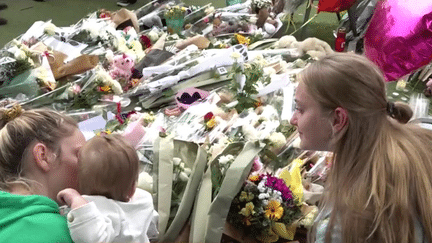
21	14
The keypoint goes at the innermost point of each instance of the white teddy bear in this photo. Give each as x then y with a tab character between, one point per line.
312	46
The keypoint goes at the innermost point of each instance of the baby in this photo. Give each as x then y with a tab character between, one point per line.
112	209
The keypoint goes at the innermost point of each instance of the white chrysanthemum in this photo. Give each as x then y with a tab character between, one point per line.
49	29
262	196
261	186
226	159
277	140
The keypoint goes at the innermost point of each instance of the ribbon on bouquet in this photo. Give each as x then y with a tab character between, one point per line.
209	218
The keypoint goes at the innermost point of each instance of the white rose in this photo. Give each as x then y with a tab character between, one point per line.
182	165
145	181
187	171
176	161
153	36
183	176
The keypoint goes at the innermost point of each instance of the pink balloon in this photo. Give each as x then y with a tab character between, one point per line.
399	36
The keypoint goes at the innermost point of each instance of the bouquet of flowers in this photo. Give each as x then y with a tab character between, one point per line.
246	79
95	88
259	4
175	12
265	208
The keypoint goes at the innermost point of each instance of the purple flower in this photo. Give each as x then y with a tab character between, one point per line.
279	185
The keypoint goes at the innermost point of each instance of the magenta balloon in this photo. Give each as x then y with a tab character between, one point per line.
399	36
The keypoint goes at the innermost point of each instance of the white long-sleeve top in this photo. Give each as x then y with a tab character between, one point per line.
107	220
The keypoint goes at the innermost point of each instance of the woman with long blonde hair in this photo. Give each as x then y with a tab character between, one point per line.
380	185
38	158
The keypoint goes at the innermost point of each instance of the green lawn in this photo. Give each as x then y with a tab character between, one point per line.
21	14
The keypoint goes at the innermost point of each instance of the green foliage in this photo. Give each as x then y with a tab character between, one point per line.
254	73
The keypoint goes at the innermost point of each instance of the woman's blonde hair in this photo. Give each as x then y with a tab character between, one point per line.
19	129
380	180
108	166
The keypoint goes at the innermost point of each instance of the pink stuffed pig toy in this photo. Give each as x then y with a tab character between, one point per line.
122	67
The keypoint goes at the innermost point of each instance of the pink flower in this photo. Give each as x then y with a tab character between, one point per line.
257	165
206	20
127	29
76	89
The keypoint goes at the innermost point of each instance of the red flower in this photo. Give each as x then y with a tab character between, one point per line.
208	116
145	41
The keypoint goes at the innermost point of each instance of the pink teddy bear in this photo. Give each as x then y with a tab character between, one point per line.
122	67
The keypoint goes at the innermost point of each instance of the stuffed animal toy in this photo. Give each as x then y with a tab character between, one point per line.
122	67
312	46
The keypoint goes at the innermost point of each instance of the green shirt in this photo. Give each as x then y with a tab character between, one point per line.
31	219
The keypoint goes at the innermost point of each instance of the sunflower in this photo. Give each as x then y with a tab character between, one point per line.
274	210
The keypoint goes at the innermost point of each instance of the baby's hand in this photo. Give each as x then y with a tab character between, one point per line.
71	197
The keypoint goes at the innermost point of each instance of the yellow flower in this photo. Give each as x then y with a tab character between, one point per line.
183	9
105	88
106	132
254	178
244	196
242	40
274	210
248	210
135	82
211	123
